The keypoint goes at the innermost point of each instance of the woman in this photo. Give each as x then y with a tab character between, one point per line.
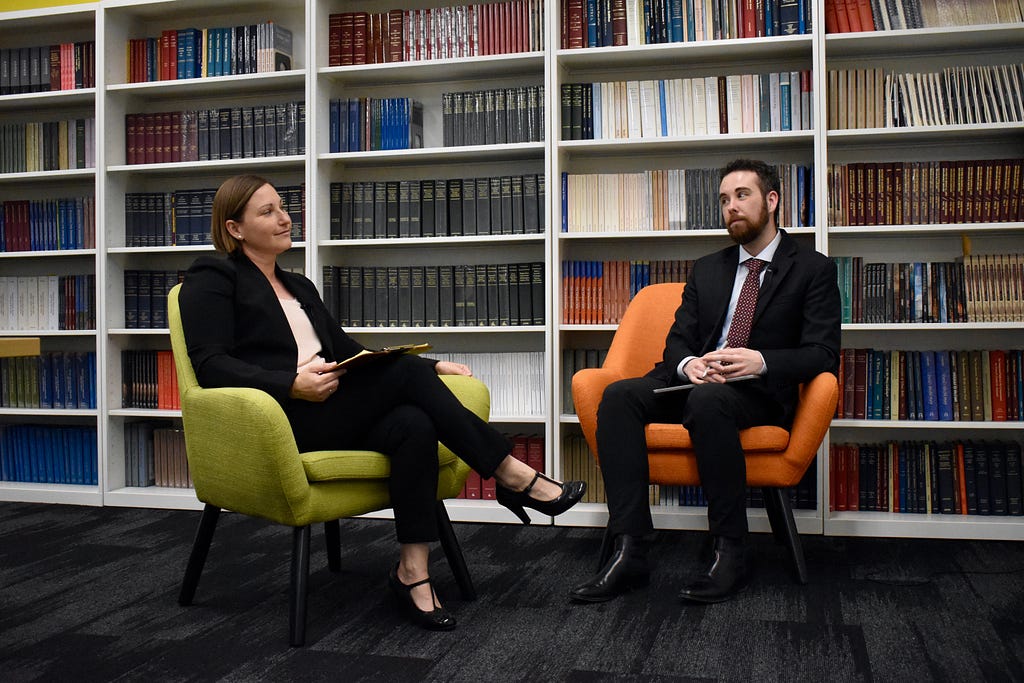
248	323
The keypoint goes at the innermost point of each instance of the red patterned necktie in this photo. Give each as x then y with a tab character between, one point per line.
739	329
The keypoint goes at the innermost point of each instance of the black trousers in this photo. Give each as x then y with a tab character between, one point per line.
714	414
400	407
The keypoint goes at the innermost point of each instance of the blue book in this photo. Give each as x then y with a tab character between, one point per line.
790	17
944	385
691	28
596	97
354	138
785	110
675	21
565	204
335	126
803	8
929	386
877	384
664	112
592	24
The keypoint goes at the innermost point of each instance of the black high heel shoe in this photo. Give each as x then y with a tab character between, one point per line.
572	492
437	619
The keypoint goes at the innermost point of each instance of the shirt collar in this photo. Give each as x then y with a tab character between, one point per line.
766	254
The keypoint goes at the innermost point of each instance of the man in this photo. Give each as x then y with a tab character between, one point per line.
719	334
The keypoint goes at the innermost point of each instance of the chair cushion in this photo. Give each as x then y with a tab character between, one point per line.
339	465
669	437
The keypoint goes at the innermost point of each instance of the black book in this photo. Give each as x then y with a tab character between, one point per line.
497	221
380	210
485	218
492	295
459	294
417	296
500	116
531	207
344	285
469	206
259	132
1012	471
445	293
145	293
271	123
431	296
506	205
946	464
588	114
537	292
335	221
447	120
525	293
490	121
441	207
230	133
359	209
403	208
427	210
213	115
131	299
415	209
382	295
576	111
482	300
203	134
970	478
247	132
458	126
997	478
541	221
469	295
404	291
394	295
391	208
982	479
330	294
454	207
355	296
369	293
513	293
504	294
517	220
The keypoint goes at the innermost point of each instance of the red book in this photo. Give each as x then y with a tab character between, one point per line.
488	489
473	486
831	21
576	24
519	447
867	22
748	22
148	138
842	18
853	477
860	375
759	30
175	151
620	30
131	138
535	452
997	372
360	30
853	16
396	35
334	29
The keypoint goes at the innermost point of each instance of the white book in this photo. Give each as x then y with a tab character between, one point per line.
634	23
5	323
700	112
686	100
795	117
978	82
43	302
734	103
775	104
748	107
648	110
621	110
598	110
1015	90
711	104
998	94
634	127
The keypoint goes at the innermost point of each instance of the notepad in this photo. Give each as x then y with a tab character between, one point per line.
366	356
684	387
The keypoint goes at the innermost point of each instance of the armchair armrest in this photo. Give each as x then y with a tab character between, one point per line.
243	455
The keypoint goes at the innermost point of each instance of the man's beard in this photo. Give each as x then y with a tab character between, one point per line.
745	232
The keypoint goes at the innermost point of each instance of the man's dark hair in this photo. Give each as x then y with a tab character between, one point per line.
767	177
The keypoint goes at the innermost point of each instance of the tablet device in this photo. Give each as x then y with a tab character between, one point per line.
684	387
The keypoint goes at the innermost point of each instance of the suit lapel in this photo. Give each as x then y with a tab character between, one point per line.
779	268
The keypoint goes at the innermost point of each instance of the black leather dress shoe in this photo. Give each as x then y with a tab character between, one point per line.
626	569
725	576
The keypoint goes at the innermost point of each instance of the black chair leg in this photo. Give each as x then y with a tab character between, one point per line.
197	558
299	585
771	507
332	534
787	527
453	552
606	548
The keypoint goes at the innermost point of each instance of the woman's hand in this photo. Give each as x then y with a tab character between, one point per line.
316	381
445	367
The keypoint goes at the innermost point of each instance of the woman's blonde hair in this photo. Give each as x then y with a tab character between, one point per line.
229	205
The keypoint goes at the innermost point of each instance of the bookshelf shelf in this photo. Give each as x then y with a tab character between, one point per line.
47	176
736	52
435	71
238	84
930	327
66	494
153	496
219	166
929	426
54	253
54	98
47	412
923	41
48	333
955	229
452	155
912	525
727	142
467	329
447	242
716	234
919	135
137	412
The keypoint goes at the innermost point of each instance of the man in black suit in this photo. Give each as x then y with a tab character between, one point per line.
791	335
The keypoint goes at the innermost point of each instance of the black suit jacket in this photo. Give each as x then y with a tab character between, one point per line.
237	333
796	326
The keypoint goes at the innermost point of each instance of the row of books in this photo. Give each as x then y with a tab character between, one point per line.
149	380
598	292
42	68
579	463
154	455
926	192
956	96
515	379
943	385
437	207
145	297
182	217
496	294
62	380
574	360
527	448
711	105
211	134
493	117
198	53
453	32
48	224
977	288
588	23
48	302
927	477
851	16
670	199
47	145
362	124
48	454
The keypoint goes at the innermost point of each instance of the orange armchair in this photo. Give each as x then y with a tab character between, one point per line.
776	459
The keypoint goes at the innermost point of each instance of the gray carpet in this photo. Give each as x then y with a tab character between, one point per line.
89	594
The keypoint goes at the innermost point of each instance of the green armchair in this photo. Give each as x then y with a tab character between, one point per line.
242	457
